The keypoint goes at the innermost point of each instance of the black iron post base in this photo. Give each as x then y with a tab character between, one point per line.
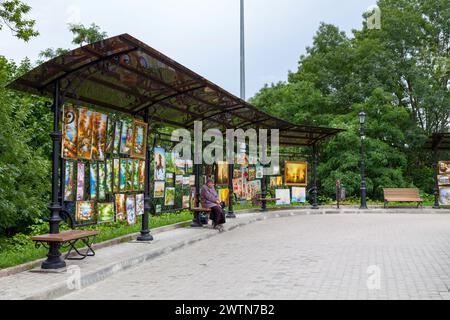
54	260
230	215
315	207
145	236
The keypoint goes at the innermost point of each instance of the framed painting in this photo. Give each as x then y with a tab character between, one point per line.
159	164
444	196
102	180
169	197
70	132
186	180
444	167
126	137
185	202
443	180
120	207
81	175
158	191
223	195
295	173
221	173
116	175
170	179
283	196
109	176
251	173
192	180
141	175
180	166
105	212
130	208
139	139
85	130
116	139
69	183
178	179
140	204
129	175
110	129
136	175
189	166
276	181
93	180
85	211
99	128
298	194
122	174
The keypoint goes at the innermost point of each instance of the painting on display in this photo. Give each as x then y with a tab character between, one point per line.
186	181
126	137
192	180
70	132
298	195
180	166
283	196
170	179
80	180
237	187
170	162
122	175
295	173
259	172
444	196
116	175
93	180
276	181
120	207
105	212
140	204
136	175
444	167
443	179
253	188
100	123
222	173
185	202
129	175
169	197
223	195
101	180
178	179
158	192
110	129
84	139
69	183
237	173
251	173
192	197
160	164
139	139
141	174
130	208
109	176
85	211
116	141
189	166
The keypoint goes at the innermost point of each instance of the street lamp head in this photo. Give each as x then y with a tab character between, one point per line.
362	117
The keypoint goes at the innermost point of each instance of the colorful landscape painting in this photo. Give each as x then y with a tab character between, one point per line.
139	139
140	204
222	173
130	206
158	191
105	212
295	173
159	164
120	207
169	198
80	180
100	123
298	194
93	180
85	211
69	183
84	139
101	180
70	132
283	196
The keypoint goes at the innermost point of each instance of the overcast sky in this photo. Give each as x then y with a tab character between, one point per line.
203	35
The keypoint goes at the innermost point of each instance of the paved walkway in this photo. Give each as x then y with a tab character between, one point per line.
345	256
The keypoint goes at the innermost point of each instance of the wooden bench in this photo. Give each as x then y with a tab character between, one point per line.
402	195
196	223
69	239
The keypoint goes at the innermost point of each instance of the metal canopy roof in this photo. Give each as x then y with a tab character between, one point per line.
440	141
124	74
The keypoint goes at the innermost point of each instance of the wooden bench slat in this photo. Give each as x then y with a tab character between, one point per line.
201	209
65	236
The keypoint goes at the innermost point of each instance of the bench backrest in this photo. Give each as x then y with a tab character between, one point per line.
401	193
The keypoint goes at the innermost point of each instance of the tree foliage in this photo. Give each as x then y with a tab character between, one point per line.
398	75
12	14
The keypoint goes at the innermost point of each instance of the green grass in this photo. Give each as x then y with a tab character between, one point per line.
20	249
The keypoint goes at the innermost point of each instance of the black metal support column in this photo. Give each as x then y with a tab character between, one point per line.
230	213
54	260
314	172
263	193
145	230
436	172
197	173
363	170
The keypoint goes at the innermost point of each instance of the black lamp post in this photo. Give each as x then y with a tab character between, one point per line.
362	118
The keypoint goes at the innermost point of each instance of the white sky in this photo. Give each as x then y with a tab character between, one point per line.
203	35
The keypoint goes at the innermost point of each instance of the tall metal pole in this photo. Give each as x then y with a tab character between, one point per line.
242	53
363	174
314	172
230	213
145	230
436	172
54	260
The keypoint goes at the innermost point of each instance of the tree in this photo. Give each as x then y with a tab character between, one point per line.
86	35
12	14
